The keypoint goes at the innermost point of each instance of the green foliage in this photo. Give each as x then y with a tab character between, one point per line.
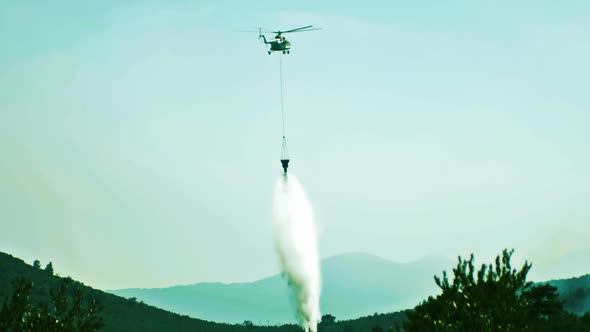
49	267
16	309
497	297
377	328
121	314
482	301
69	310
542	302
37	264
328	319
386	322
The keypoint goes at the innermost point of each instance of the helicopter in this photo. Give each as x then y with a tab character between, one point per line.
280	43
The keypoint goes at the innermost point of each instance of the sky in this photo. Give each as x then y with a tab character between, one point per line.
140	140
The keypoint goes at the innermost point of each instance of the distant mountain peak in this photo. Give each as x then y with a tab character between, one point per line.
360	257
355	256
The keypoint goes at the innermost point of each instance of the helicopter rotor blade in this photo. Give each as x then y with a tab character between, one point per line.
263	30
297	29
305	28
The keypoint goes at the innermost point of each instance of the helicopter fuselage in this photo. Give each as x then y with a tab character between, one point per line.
278	44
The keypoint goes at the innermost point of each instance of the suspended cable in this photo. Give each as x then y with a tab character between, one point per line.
284	151
282	103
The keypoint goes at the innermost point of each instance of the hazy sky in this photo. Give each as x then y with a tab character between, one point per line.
139	140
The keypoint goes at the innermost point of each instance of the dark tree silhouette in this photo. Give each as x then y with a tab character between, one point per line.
328	319
69	309
49	267
16	309
348	328
37	264
377	328
542	302
248	324
495	298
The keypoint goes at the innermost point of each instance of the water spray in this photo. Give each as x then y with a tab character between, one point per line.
296	245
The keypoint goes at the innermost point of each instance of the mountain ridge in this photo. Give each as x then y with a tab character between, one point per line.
131	314
326	259
354	284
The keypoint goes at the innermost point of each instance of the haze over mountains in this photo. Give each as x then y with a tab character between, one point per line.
351	289
122	314
574	263
353	285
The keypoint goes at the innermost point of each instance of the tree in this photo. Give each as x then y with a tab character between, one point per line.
248	324
16	309
69	309
328	319
37	264
495	298
542	302
395	328
348	328
49	267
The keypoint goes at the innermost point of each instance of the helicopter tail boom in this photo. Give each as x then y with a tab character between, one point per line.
260	35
